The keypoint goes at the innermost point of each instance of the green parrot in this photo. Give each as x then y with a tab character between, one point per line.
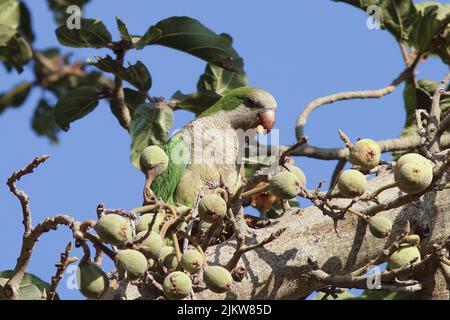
210	146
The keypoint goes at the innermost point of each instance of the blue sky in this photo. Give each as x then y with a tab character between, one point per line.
297	50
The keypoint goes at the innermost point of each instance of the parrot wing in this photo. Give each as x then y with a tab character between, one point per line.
164	185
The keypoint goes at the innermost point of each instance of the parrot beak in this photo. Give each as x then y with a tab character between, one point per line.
266	120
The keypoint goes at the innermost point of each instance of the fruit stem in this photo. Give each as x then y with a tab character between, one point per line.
143	209
251	192
381	189
177	246
195	244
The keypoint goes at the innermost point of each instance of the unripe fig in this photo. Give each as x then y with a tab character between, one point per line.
145	219
177	285
170	262
299	173
413	157
153	157
192	261
217	279
352	183
92	280
151	245
113	229
285	185
380	227
414	174
131	264
403	256
413	239
212	207
165	251
365	153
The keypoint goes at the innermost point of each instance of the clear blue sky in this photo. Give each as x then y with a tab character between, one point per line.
297	50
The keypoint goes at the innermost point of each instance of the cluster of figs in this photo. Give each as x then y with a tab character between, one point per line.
148	250
413	174
140	250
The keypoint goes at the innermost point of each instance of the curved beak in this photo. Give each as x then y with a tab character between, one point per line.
266	121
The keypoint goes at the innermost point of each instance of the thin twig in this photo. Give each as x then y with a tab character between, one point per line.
60	268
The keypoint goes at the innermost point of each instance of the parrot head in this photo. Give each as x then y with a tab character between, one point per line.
246	108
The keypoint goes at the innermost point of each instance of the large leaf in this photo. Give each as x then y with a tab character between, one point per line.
75	104
59	7
92	34
137	74
9	13
190	36
218	80
43	122
432	20
16	96
122	27
196	102
16	52
397	16
25	22
31	287
150	125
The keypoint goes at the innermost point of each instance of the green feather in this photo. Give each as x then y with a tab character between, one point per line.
229	102
165	184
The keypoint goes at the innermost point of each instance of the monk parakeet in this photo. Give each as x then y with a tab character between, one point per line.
209	146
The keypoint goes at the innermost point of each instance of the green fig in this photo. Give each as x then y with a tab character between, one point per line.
170	262
352	183
380	227
152	244
92	280
177	285
285	185
299	173
192	261
114	229
217	279
131	264
413	174
153	157
403	256
212	207
144	220
165	251
365	153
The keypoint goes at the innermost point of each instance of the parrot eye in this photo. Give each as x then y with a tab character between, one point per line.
250	102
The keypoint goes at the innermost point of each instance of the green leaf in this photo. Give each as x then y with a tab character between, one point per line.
16	52
149	125
431	22
6	33
108	64
397	16
9	13
16	96
123	30
92	34
196	102
25	22
149	36
31	287
190	36
137	74
44	122
59	7
219	80
75	104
